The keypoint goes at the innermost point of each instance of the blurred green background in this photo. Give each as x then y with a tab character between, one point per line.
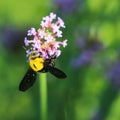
91	60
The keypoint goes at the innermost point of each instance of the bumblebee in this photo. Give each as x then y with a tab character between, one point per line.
39	64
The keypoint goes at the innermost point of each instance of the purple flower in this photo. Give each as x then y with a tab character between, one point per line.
89	48
31	32
26	42
85	58
12	38
67	6
45	38
90	44
97	115
114	74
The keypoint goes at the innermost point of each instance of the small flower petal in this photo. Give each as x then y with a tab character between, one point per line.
47	18
56	45
52	16
42	33
55	28
26	42
49	38
32	31
58	53
59	33
64	43
61	23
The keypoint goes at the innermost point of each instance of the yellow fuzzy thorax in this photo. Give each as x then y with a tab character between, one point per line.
37	64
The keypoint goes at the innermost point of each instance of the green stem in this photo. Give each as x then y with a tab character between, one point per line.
43	96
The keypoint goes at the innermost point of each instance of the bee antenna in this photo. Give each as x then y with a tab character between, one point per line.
24	47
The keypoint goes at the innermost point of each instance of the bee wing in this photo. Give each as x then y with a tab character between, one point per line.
56	72
28	80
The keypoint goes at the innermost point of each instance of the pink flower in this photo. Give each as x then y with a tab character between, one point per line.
47	18
37	45
58	52
41	33
49	38
55	28
45	38
56	45
52	16
59	33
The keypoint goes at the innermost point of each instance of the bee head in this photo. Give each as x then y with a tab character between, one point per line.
34	54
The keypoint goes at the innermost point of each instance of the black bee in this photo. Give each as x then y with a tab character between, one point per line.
38	64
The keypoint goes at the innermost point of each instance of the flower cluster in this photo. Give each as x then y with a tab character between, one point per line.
44	40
